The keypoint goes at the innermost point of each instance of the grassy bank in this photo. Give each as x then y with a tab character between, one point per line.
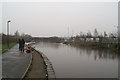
6	48
0	48
95	45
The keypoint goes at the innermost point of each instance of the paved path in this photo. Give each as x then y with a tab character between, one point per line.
0	66
14	63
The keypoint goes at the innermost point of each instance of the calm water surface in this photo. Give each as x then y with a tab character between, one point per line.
73	62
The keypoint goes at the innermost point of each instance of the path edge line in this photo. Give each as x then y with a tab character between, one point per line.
24	74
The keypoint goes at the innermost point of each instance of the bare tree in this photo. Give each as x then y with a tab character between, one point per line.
89	34
17	34
95	33
105	34
81	34
22	35
111	35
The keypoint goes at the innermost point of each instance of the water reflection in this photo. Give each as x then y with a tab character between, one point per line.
48	44
80	62
97	53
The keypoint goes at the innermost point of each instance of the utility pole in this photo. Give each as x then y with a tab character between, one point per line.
8	32
68	31
72	33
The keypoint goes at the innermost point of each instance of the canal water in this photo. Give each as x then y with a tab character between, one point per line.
74	62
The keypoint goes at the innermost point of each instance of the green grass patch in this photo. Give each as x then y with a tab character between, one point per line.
95	45
66	42
0	48
6	48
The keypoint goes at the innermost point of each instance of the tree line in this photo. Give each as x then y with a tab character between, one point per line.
15	37
96	34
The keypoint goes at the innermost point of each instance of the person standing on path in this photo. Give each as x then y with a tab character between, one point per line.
22	45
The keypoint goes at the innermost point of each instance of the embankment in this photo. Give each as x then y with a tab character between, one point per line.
40	67
95	45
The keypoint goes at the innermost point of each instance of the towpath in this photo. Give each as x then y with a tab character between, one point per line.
15	63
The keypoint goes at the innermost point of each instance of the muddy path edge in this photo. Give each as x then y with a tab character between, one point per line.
49	68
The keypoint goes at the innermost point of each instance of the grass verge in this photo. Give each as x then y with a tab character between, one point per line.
4	47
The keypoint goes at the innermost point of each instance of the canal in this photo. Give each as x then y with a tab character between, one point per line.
74	62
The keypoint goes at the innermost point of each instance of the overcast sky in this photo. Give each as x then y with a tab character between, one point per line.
54	18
